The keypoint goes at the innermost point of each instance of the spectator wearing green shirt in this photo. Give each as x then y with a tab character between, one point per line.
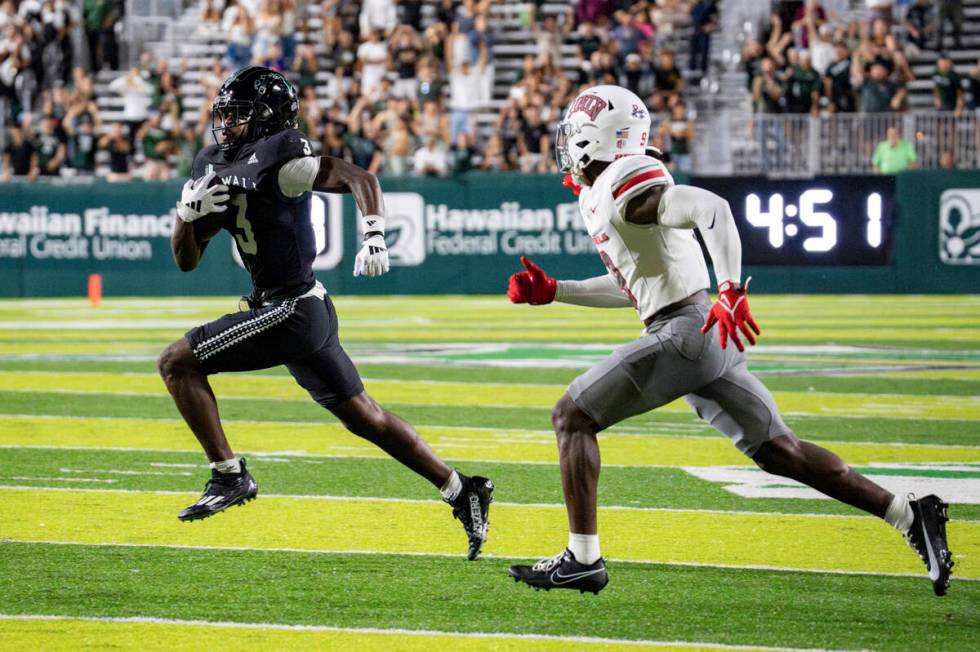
947	95
893	154
20	154
82	126
158	144
802	90
837	83
100	18
948	90
767	91
951	11
680	128
878	93
51	149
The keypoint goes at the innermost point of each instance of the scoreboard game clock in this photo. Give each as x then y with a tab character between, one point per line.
820	221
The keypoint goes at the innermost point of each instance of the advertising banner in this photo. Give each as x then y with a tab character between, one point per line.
917	233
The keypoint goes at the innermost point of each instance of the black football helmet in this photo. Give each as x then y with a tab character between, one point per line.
260	98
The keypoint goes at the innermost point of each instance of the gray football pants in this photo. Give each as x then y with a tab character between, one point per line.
673	359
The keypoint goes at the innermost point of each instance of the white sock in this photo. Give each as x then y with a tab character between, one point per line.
450	490
585	547
899	514
228	466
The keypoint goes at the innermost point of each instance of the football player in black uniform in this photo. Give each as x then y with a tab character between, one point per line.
260	171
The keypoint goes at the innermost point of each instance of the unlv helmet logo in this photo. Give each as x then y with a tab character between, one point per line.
588	104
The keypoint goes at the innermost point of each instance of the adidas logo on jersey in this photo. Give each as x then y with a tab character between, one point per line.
252	159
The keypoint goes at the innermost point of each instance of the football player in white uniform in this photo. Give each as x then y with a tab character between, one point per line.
643	227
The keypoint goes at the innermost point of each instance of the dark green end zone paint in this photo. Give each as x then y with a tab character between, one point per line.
900	430
516	483
657	602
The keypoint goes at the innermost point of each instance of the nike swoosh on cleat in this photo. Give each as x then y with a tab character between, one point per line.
933	563
558	578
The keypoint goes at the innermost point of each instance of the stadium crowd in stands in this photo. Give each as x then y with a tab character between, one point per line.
404	87
809	60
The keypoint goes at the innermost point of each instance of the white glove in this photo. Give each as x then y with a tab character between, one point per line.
372	259
197	199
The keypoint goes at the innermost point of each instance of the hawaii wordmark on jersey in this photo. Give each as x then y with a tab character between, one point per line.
272	232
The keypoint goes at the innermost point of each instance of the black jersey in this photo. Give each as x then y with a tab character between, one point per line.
273	232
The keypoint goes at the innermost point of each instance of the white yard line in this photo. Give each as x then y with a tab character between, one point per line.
56	479
320	551
279	399
286	377
126	472
401	632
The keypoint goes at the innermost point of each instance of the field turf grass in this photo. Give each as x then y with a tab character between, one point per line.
345	549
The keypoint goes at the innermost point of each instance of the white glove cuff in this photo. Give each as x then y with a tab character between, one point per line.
185	213
373	223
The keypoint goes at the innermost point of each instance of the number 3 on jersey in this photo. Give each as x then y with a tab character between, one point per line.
243	230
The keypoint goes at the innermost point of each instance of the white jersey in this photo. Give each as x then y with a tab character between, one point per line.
654	265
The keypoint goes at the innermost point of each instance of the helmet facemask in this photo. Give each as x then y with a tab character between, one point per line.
572	150
603	123
228	114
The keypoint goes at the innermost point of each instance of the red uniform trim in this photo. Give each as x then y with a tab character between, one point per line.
651	174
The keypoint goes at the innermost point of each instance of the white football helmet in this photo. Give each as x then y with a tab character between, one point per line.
603	123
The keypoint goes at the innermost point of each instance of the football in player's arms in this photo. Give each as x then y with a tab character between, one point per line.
256	180
211	225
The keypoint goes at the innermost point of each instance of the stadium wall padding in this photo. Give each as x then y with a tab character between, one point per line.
456	236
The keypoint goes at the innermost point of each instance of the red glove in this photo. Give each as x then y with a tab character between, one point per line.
731	312
569	182
533	286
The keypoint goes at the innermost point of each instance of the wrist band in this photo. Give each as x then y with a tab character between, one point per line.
373	223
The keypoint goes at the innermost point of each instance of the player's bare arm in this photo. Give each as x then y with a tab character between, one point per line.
198	199
290	318
186	247
337	175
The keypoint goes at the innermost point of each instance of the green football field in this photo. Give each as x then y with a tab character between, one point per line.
345	549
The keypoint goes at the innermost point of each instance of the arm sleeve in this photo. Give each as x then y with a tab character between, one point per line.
297	176
688	207
596	292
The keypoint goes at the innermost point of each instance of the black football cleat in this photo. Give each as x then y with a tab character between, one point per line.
222	491
563	572
472	507
927	537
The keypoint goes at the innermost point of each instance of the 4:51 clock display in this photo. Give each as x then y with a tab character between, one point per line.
820	221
